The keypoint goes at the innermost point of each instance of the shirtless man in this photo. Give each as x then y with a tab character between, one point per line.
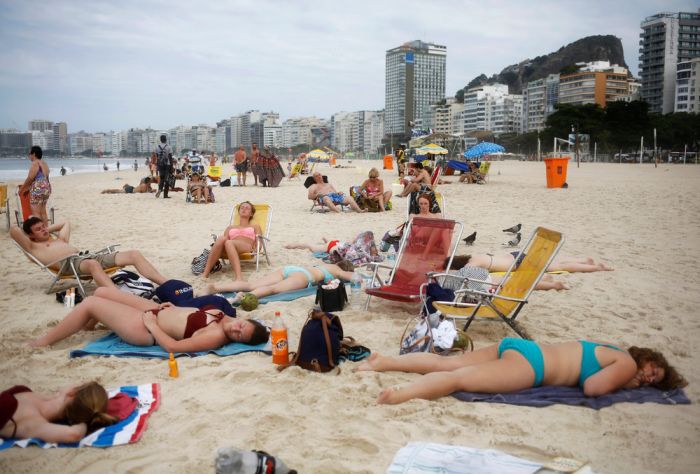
143	187
241	165
419	182
253	163
35	238
329	196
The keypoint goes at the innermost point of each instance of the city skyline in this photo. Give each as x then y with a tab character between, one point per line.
103	66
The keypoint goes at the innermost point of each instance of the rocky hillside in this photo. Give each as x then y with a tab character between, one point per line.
591	48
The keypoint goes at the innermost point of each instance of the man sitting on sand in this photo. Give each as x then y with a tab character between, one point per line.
35	237
143	187
326	193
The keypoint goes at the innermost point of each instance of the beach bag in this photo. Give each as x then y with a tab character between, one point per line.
320	343
333	299
434	334
131	282
200	262
163	156
226	182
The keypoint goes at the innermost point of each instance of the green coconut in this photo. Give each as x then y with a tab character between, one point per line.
249	302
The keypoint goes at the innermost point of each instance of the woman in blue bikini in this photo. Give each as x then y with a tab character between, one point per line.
288	278
517	364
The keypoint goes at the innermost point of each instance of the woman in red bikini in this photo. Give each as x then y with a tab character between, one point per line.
141	322
25	414
236	239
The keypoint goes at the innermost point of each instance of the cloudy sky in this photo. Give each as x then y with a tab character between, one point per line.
101	65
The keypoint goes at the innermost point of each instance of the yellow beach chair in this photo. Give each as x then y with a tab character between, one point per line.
512	293
262	217
214	173
5	204
484	170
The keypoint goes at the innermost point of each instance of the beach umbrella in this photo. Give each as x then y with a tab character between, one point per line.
432	149
318	155
483	148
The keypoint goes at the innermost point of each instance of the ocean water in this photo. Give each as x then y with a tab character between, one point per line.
15	169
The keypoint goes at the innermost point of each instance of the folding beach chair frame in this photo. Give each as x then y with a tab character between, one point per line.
260	242
487	300
456	235
67	269
439	197
5	207
20	218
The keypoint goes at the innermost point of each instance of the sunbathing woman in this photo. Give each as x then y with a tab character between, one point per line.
373	189
199	189
236	239
502	262
517	364
141	322
288	278
362	249
25	414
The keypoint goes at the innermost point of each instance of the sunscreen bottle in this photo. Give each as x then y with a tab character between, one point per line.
172	364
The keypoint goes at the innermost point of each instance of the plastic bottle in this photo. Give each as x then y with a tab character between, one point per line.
391	255
172	364
280	347
356	290
66	298
72	297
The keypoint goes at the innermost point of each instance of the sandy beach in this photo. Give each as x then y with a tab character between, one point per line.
642	220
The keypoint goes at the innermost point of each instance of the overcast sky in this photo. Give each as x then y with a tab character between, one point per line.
101	65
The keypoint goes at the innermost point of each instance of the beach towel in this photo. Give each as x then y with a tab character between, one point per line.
127	431
286	296
113	345
550	395
420	457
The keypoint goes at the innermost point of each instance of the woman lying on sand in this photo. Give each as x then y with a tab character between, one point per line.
25	414
462	264
287	278
502	262
141	322
360	250
235	240
517	364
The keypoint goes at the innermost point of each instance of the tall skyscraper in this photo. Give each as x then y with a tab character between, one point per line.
60	137
666	39
415	78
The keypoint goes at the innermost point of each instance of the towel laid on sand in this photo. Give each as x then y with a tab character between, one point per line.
419	457
112	345
286	296
550	395
127	431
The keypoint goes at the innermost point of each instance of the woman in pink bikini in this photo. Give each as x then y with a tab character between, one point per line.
142	322
236	239
373	189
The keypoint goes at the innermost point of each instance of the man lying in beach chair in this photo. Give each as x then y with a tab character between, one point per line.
511	293
423	250
62	260
323	194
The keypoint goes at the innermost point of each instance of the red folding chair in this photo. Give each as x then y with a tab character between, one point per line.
425	245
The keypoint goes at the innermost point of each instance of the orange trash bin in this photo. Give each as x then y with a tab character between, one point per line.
388	162
556	171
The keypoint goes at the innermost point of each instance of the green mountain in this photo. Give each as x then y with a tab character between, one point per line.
590	48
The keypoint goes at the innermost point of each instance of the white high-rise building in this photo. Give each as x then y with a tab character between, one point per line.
539	100
373	131
345	131
666	40
40	125
297	131
492	108
43	139
688	86
415	78
446	117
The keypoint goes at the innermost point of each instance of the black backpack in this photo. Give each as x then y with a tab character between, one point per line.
320	343
163	156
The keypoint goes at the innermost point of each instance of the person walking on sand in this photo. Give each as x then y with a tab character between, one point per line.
241	165
254	158
118	165
165	165
37	184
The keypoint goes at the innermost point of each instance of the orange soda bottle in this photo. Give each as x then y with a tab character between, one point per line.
280	348
172	364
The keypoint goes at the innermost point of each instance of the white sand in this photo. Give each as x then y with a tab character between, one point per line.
642	220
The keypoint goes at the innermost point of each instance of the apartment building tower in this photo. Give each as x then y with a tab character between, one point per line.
415	78
688	86
666	40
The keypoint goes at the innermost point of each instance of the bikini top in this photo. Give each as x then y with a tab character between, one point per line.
8	406
198	320
247	232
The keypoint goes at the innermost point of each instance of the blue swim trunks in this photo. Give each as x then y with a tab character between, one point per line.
336	198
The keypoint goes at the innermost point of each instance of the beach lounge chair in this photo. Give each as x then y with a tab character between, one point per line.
65	269
214	173
512	293
435	177
425	245
412	202
484	170
24	210
262	217
5	204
